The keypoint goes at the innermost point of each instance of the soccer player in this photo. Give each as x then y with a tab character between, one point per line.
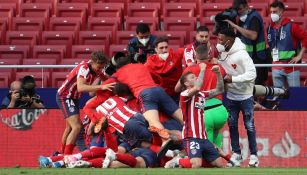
151	97
167	63
201	38
192	102
79	80
215	113
131	124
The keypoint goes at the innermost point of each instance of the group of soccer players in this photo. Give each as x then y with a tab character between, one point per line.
146	115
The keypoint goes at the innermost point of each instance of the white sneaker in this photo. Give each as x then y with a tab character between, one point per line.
253	161
110	157
70	159
79	164
174	163
235	160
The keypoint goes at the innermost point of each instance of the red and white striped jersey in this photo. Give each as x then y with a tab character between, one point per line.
69	86
116	111
193	115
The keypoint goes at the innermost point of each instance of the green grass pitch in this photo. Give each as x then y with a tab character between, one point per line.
155	171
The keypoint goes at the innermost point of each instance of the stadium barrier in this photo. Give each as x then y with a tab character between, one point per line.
26	134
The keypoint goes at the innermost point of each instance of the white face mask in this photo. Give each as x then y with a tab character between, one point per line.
144	41
243	18
163	56
275	17
220	48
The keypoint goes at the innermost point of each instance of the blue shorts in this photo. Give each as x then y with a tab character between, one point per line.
156	99
126	145
172	124
150	157
136	130
97	141
201	148
68	106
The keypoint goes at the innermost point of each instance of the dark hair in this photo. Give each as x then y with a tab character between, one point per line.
183	78
237	3
278	4
160	39
228	32
202	29
28	82
99	57
142	28
202	51
121	89
122	61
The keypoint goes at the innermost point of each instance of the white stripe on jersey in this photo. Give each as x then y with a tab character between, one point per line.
116	121
200	123
192	116
129	110
122	115
101	109
70	90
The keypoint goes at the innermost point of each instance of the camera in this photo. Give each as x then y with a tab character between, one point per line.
219	18
111	68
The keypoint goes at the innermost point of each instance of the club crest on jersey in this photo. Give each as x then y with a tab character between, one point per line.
234	66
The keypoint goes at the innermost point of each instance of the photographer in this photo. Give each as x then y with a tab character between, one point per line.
251	31
143	44
23	95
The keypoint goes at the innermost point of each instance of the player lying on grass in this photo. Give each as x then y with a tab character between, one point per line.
192	102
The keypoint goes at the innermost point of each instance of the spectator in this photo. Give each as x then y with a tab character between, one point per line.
167	63
79	80
285	39
202	37
22	95
142	45
240	76
251	31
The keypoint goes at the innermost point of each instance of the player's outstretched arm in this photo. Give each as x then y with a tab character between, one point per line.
220	83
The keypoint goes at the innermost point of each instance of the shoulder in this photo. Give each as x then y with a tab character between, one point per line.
133	40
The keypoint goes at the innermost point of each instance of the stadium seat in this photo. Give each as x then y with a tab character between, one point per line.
131	22
117	48
53	52
174	37
7	10
104	24
73	10
11	71
294	9
42	10
300	21
59	38
28	24
53	4
65	24
143	9
4	80
179	24
70	61
96	38
123	37
107	10
14	51
179	10
85	51
37	61
207	22
58	78
209	9
262	8
41	78
3	29
22	38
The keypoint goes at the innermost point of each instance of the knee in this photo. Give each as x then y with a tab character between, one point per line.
249	126
77	127
196	163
